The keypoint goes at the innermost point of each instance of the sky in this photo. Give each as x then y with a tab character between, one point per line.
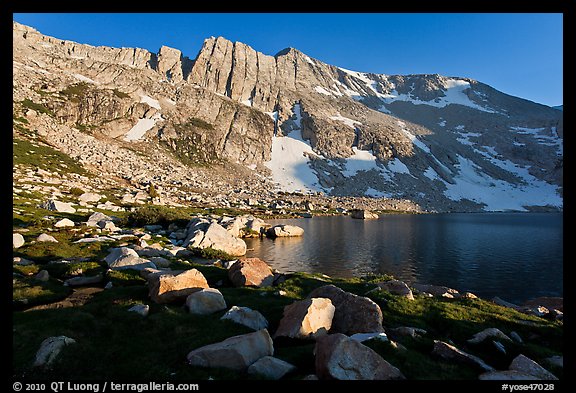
518	54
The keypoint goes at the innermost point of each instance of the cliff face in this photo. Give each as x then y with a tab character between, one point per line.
447	143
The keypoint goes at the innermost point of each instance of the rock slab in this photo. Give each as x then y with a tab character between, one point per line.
50	349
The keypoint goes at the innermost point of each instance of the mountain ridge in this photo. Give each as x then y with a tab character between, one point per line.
417	137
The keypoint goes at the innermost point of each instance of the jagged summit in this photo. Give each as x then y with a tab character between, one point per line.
445	143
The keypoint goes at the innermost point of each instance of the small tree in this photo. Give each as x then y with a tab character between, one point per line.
152	191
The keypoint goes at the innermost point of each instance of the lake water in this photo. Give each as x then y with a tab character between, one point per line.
516	256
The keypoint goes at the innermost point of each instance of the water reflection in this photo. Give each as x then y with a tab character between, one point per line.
514	256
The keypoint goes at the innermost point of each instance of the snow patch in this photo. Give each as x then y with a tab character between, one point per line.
141	127
362	160
415	141
83	78
150	101
431	174
370	192
397	166
499	195
442	123
349	122
273	115
309	60
290	159
321	90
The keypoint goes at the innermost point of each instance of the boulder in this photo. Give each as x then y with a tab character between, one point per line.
408	331
271	367
126	258
490	332
79	281
88	197
43	237
528	366
284	231
58	206
397	287
251	272
42	275
64	223
339	357
17	240
247	317
363	214
516	337
236	353
159	261
142	309
450	352
354	314
50	349
167	288
107	226
22	261
96	217
437	290
506	375
205	301
308	318
202	234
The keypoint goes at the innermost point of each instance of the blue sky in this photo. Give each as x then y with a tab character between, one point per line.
518	54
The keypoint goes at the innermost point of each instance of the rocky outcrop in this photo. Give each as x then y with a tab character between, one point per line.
309	318
251	272
64	223
236	353
353	313
339	357
168	288
126	258
44	237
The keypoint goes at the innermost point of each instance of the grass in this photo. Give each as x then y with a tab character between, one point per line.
37	155
76	91
211	253
120	94
40	108
158	215
156	346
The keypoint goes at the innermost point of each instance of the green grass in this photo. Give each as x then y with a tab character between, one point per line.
211	253
76	91
158	215
44	157
40	108
156	346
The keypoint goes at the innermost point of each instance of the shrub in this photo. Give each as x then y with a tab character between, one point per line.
157	215
211	253
152	191
40	108
76	191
